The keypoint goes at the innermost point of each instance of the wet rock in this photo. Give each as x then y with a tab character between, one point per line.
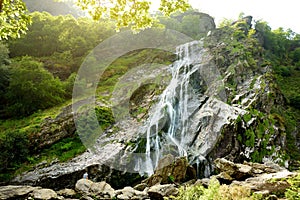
160	191
14	192
44	194
98	189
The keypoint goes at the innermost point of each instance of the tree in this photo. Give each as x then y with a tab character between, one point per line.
14	18
32	88
4	75
134	13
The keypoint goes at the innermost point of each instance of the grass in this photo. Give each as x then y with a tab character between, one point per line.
31	123
61	151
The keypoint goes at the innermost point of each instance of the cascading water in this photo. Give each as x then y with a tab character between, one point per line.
168	124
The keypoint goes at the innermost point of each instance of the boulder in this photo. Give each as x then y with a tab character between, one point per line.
98	189
14	192
44	194
140	187
130	193
169	170
229	170
160	191
83	186
66	193
273	183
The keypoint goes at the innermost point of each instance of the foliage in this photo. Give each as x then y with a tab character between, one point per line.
14	19
31	88
4	75
293	192
49	34
104	116
258	135
130	12
215	191
14	149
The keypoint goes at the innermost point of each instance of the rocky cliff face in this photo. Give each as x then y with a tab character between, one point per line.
221	107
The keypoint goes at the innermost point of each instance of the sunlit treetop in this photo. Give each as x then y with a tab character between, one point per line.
133	13
14	19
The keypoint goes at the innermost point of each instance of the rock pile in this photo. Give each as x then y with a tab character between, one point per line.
265	179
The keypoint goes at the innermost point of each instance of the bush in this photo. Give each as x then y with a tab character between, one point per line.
215	191
283	71
14	150
32	88
293	193
295	101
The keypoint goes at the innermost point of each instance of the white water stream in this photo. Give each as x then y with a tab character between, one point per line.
167	127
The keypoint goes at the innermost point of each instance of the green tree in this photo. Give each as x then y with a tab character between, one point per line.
14	149
14	18
32	88
4	75
134	13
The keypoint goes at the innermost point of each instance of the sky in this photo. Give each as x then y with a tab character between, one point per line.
278	13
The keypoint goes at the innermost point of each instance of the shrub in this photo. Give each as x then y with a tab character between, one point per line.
32	88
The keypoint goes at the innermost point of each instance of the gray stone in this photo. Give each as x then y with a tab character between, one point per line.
13	191
273	182
130	193
230	169
169	170
99	189
66	193
44	194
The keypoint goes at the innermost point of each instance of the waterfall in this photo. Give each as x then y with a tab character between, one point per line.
168	124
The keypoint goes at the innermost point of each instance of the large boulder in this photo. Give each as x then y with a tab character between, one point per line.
160	191
98	189
169	170
15	192
43	194
268	183
67	193
130	193
239	171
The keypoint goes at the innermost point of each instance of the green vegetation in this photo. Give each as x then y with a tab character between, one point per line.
19	148
14	19
31	88
215	191
259	134
282	53
131	13
38	71
293	192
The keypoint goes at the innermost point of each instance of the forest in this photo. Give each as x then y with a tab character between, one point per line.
38	72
